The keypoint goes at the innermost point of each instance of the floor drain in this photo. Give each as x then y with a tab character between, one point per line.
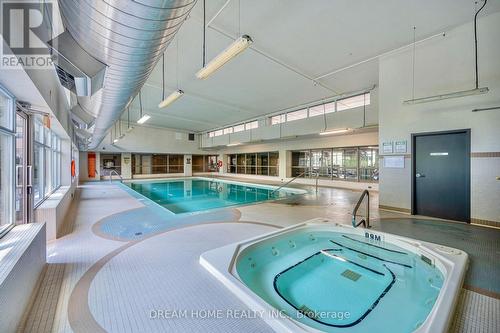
351	275
138	233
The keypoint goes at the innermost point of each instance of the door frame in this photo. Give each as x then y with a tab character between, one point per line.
414	164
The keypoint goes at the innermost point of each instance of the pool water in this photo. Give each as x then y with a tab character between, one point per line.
194	195
336	282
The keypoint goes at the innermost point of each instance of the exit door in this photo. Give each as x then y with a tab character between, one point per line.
441	175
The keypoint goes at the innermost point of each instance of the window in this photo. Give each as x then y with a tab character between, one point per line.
353	102
228	130
317	110
197	163
6	177
264	163
368	163
150	164
351	164
296	115
300	163
218	132
211	134
281	118
252	125
46	161
204	163
175	163
239	128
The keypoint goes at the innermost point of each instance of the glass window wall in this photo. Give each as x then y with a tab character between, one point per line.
351	164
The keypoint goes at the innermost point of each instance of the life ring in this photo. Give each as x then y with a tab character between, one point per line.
219	164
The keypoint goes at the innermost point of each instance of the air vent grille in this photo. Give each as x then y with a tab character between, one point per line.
67	80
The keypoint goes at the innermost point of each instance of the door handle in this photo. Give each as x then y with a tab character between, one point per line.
420	175
29	181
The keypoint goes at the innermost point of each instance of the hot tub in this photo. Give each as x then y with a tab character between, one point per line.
324	276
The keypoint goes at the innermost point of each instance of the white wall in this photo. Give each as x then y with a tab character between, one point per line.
352	118
84	172
445	65
23	259
145	139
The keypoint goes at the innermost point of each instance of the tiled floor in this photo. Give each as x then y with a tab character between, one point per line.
95	282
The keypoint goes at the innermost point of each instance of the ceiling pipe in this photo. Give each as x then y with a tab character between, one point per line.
129	37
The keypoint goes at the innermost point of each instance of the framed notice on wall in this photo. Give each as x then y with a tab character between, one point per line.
400	147
387	147
397	162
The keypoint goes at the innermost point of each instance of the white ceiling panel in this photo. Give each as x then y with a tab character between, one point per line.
306	39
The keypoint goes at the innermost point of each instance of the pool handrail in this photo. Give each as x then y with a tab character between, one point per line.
364	222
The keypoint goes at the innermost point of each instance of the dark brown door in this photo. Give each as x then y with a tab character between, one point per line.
441	175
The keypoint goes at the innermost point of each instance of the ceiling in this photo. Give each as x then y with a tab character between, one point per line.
295	41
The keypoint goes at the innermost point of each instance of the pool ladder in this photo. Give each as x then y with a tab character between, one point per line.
366	220
113	171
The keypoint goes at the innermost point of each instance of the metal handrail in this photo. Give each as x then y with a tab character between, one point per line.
294	178
111	175
288	182
364	222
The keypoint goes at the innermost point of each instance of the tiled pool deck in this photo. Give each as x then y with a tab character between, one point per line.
122	260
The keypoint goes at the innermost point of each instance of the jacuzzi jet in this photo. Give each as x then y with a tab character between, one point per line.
138	233
312	238
275	251
292	244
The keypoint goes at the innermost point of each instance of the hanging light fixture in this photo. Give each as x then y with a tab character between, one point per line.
115	140
171	98
335	131
236	47
129	128
143	117
476	91
176	94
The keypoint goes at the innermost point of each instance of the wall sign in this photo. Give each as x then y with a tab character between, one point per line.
397	162
387	147
400	147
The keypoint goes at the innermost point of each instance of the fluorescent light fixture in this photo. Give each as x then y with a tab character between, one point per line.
234	144
143	119
238	46
171	98
335	131
477	91
487	109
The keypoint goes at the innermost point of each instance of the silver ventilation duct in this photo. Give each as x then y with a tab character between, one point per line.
77	70
129	37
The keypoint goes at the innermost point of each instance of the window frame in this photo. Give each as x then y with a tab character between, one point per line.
50	145
10	134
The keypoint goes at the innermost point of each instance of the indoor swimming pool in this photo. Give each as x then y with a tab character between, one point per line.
328	277
188	195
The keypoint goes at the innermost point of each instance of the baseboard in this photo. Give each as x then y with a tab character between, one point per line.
396	209
486	223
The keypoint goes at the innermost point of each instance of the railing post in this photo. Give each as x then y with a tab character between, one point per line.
317	177
365	222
